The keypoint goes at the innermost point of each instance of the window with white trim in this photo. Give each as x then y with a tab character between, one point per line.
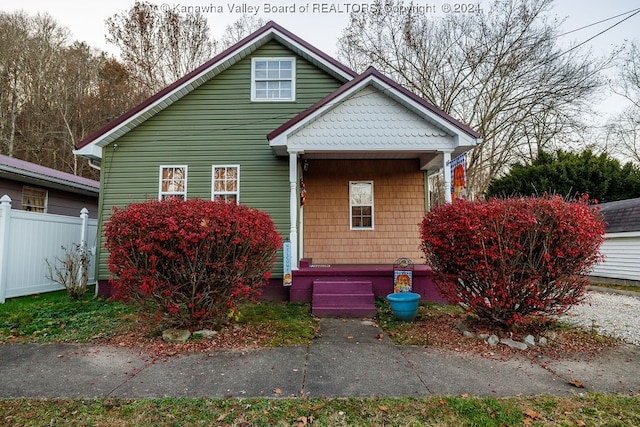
273	79
225	183
34	199
173	182
361	205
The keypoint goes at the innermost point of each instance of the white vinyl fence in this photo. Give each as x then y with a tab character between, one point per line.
27	239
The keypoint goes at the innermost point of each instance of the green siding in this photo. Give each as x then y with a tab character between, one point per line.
215	124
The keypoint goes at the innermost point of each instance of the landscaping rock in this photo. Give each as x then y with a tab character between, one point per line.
468	334
551	335
542	342
483	336
175	335
493	340
530	341
462	327
513	344
206	333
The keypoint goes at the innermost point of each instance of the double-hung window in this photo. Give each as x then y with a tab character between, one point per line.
225	184
361	205
273	79
34	199
173	182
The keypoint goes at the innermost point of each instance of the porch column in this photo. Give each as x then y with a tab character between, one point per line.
293	208
446	175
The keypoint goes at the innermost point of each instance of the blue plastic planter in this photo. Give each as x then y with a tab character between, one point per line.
404	305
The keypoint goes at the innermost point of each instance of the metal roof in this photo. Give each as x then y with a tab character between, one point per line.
22	170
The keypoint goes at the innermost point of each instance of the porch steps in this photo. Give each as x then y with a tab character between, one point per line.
343	298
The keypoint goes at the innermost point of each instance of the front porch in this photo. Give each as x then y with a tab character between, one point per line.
349	290
341	148
380	275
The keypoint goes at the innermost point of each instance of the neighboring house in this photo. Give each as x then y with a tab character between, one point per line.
37	188
271	117
621	247
42	212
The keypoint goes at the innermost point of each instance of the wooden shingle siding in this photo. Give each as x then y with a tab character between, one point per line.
399	206
215	124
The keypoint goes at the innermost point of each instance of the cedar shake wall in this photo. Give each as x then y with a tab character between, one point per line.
399	206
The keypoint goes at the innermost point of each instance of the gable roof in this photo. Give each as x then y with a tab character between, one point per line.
621	216
465	136
91	146
20	170
371	75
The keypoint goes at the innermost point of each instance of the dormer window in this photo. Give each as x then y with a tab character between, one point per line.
273	79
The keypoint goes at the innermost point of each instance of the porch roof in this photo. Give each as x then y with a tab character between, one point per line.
373	117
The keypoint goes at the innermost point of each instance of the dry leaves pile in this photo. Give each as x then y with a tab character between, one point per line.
439	329
145	335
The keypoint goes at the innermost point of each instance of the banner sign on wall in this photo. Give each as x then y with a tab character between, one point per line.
287	279
459	177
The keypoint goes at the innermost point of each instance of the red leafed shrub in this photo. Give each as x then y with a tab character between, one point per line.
190	261
506	259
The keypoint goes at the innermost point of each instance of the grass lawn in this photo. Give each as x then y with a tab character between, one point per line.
589	410
53	317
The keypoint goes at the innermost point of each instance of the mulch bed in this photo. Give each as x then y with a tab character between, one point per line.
440	330
145	335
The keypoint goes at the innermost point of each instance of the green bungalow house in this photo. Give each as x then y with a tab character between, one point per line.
339	160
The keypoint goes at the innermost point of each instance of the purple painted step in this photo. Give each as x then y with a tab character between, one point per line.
343	298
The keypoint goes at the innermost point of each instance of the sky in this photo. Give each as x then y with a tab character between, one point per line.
320	22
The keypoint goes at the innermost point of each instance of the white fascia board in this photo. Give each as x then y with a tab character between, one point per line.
462	138
91	151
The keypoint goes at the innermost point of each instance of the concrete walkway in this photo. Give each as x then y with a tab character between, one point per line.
346	360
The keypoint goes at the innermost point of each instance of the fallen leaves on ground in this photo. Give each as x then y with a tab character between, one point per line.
576	383
437	329
431	328
144	334
304	421
530	413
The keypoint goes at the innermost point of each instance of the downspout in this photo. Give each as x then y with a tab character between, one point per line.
93	165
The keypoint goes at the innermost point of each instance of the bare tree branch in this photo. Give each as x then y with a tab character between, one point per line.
501	72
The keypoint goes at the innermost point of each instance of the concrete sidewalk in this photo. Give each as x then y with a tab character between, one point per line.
346	360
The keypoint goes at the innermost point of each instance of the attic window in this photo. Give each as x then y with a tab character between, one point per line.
273	79
34	199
